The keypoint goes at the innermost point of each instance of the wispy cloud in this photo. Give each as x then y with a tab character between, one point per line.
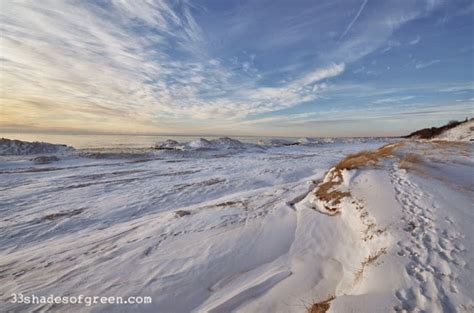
414	41
125	61
180	66
421	65
458	88
393	99
374	31
348	28
390	45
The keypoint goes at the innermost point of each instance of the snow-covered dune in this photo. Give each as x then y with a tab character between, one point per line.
452	131
462	132
413	202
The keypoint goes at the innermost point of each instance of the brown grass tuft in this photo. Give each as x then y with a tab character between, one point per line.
373	257
328	191
366	158
409	160
322	306
370	260
55	216
181	213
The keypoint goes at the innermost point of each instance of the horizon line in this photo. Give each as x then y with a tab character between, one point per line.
181	135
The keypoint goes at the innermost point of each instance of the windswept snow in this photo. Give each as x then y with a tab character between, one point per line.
199	230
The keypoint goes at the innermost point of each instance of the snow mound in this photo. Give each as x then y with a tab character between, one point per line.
18	147
328	140
221	144
277	142
228	143
315	141
201	143
462	132
224	144
168	145
307	141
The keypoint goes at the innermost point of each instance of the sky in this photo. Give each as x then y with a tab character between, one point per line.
262	68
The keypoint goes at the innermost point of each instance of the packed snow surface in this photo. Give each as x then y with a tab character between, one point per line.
199	230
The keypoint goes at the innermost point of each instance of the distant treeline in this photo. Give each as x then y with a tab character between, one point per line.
428	133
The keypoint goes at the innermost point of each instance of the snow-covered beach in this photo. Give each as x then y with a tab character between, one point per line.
223	226
237	156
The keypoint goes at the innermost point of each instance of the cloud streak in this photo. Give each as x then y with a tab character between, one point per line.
421	65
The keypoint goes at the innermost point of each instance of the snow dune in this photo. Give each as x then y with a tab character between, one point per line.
463	132
416	202
254	231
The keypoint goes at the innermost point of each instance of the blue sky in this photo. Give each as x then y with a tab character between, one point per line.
284	68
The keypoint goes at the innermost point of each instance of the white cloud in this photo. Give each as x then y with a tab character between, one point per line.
421	65
119	63
393	99
458	88
372	31
320	74
150	62
414	41
390	45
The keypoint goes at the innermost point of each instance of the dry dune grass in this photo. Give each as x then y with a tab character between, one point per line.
370	260
55	216
373	257
181	213
321	307
328	191
447	147
452	144
366	158
409	161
